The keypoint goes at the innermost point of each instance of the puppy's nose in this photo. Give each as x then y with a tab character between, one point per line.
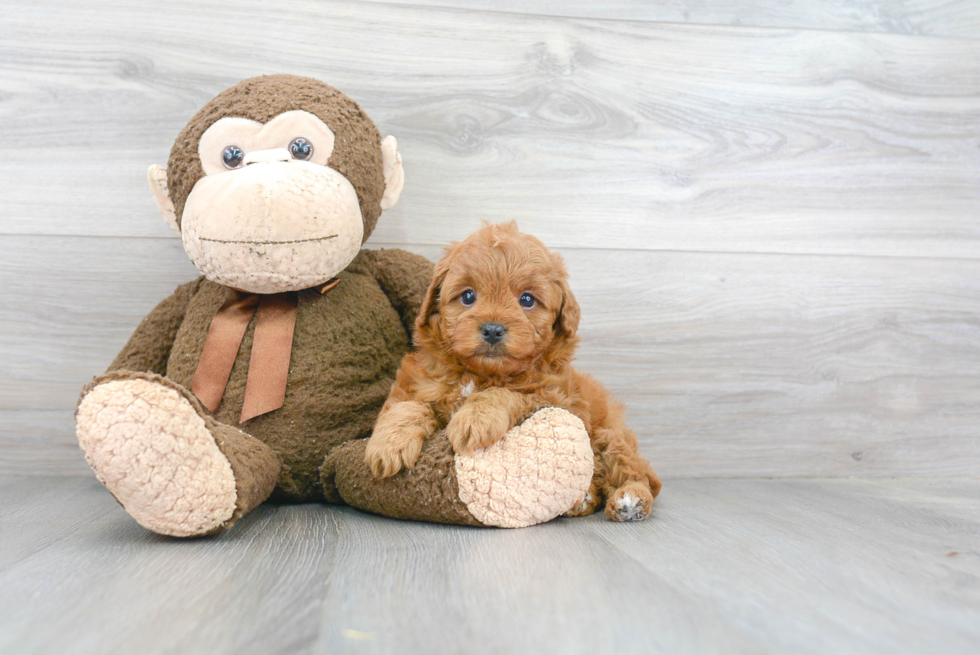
492	332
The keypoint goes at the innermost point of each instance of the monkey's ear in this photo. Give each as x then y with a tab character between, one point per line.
394	173
157	176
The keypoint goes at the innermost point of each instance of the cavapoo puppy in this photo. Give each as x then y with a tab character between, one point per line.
495	337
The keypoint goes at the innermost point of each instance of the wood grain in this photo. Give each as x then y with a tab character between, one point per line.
864	549
960	18
594	133
723	566
771	230
731	364
82	576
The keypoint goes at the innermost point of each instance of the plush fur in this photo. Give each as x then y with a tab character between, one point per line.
346	348
478	389
356	155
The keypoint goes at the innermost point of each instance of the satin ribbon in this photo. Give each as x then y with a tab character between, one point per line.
268	365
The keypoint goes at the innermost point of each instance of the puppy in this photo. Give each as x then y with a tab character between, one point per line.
495	337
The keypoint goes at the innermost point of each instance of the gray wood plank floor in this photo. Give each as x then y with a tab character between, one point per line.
726	566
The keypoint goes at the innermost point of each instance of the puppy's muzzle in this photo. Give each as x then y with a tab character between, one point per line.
493	332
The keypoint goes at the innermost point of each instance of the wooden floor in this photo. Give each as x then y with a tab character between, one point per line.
726	566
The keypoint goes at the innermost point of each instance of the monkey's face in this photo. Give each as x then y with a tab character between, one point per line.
270	215
276	182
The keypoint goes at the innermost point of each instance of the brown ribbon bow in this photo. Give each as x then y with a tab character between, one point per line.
268	366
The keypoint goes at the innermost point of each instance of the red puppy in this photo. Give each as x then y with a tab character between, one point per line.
495	338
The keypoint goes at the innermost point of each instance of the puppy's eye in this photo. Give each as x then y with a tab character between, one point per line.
468	297
526	300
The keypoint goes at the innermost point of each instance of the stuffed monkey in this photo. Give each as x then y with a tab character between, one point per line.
265	375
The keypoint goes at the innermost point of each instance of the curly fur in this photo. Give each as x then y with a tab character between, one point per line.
478	390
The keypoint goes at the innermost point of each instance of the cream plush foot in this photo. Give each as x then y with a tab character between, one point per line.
172	467
537	471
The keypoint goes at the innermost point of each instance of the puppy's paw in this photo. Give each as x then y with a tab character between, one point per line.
388	452
476	426
588	505
631	502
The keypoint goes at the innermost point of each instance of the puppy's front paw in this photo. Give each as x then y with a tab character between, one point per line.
631	502
476	426
388	452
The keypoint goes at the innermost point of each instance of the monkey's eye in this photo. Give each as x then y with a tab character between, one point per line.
526	300
301	149
232	157
468	297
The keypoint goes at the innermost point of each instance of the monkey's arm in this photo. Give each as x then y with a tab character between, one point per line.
149	347
404	277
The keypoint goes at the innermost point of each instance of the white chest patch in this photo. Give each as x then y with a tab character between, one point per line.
467	390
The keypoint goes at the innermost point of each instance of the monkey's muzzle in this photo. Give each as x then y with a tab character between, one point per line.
279	226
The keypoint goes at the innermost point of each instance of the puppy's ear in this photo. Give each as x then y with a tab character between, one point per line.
431	301
566	323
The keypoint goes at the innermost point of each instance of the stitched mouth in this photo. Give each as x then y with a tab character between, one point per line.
269	243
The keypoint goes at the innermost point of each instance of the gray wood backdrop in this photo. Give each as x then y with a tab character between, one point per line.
768	208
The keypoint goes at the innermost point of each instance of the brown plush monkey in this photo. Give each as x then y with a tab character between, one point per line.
246	381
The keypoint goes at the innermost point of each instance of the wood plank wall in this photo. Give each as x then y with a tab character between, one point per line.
768	209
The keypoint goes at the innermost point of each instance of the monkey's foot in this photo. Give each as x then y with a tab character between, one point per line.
168	464
537	471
